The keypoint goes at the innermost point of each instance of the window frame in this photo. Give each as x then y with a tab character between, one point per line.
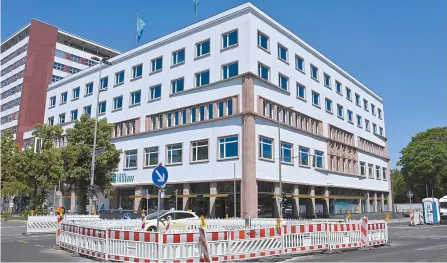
342	111
328	78
352	116
379	113
71	115
339	92
360	125
286	60
315	159
167	154
154	65
117	77
60	118
114	103
135	71
261	143
176	52
281	155
192	147
146	157
223	47
225	147
317	72
201	48
367	125
279	81
299	156
150	92
198	75
348	92
365	104
126	167
175	81
132	97
384	173
86	88
326	101
228	69
73	94
378	173
304	98
370	171
259	42
53	103
268	71
362	164
64	97
358	103
303	70
99	107
319	99
373	109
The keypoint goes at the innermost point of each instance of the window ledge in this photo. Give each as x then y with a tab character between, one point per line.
119	84
155	72
135	105
137	78
178	64
330	112
349	99
341	94
298	97
227	159
304	166
202	56
317	106
336	172
173	164
315	79
62	103
54	106
75	99
102	113
266	159
329	87
130	168
229	47
265	50
282	60
301	70
90	94
119	109
285	163
358	105
153	100
150	166
199	162
351	122
341	118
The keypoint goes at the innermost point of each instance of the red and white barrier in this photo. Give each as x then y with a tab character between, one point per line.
364	230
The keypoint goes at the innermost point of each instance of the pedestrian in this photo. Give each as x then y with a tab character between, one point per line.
102	209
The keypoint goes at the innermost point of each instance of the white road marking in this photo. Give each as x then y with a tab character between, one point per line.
18	226
438	247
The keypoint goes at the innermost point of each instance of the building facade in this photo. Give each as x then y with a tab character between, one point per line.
236	101
31	59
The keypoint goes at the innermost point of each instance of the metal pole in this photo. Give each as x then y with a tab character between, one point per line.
54	199
279	163
176	193
426	189
92	175
158	209
234	189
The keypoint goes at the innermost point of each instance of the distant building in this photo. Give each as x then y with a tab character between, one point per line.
31	59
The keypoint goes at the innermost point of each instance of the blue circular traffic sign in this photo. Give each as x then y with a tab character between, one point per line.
160	176
126	216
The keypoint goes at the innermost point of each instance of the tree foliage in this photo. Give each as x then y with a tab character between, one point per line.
424	162
400	187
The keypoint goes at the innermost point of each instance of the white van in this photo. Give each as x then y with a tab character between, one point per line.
443	207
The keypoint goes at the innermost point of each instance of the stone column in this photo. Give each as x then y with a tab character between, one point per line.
213	190
375	202
382	202
326	202
390	202
186	191
73	202
311	203
296	201
276	205
249	189
367	203
137	201
359	206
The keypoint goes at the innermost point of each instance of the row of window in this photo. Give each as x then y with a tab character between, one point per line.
12	91
55	78
380	172
74	58
14	54
264	72
13	66
62	67
12	79
11	117
13	129
371	147
199	152
10	104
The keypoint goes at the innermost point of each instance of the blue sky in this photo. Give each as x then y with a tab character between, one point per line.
397	48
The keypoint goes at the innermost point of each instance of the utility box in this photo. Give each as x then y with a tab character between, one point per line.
430	209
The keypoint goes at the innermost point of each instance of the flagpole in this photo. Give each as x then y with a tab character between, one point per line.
136	35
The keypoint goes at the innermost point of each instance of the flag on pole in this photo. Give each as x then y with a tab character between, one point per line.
196	7
140	27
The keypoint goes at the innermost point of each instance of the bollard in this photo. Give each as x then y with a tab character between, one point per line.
387	217
278	222
349	214
202	218
142	213
226	216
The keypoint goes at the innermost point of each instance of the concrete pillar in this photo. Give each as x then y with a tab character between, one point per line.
137	201
73	202
276	205
326	202
186	191
249	188
375	202
382	202
296	201
359	207
213	190
311	203
390	202
367	202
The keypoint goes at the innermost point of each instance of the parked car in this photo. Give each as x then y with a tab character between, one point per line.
178	220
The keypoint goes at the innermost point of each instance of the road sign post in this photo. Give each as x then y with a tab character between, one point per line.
410	195
159	177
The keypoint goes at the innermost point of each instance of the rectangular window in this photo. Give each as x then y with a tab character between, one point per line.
362	169
75	58
135	98
370	171
282	53
75	93
286	153
58	66
102	107
176	118
203	48
348	94
301	91
359	121
357	99
299	63
50	121
88	110
379	112
373	109
340	111
74	115
53	101
64	97
118	103
367	125
221	108
169	118
202	78
119	77
104	83
89	88
73	70
131	159
184	120
384	175
374	128
137	71
156	64
229	107
381	131
318	159
263	71
266	148
327	80
315	99
350	116
228	147
155	92
210	111
151	156
314	72
230	70
60	54
338	87
62	118
202	113
283	82
178	56
263	41
230	39
160	121
193	115
200	151
177	85
365	105
328	105
304	156
174	153
377	172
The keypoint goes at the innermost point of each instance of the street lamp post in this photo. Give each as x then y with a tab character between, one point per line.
92	175
279	152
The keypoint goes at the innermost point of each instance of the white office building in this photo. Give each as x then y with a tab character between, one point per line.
236	99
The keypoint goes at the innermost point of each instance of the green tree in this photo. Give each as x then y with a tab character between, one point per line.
78	156
400	188
8	151
424	162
